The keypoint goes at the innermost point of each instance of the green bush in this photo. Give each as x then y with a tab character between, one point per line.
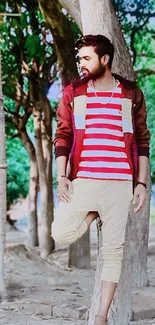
18	170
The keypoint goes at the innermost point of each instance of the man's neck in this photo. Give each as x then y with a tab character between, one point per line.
105	82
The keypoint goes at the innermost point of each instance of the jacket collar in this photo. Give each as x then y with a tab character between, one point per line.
80	86
128	84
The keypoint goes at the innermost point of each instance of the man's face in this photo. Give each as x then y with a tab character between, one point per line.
90	63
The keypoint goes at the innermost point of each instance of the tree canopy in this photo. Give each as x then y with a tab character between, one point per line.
29	56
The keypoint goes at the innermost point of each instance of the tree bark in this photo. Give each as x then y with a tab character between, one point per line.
45	235
73	8
40	109
2	191
140	247
63	39
46	127
32	236
79	252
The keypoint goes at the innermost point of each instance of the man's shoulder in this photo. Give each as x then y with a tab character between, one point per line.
68	88
130	88
126	83
76	87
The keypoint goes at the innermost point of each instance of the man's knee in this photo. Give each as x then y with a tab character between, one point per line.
66	235
112	264
58	233
113	253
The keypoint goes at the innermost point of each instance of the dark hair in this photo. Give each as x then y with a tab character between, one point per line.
101	44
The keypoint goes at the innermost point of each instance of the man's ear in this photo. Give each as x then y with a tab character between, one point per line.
105	59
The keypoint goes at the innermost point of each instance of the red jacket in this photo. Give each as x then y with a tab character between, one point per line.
69	137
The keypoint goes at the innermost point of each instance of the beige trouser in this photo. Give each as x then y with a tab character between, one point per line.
111	200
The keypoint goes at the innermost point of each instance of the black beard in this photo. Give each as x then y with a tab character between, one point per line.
99	73
87	77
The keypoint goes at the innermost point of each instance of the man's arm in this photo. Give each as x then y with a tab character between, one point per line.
64	184
140	190
143	169
61	163
64	132
63	144
141	131
142	139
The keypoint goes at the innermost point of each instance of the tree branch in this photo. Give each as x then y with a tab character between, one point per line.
73	8
25	68
26	116
61	29
145	72
136	12
15	136
14	97
152	55
9	14
8	119
6	110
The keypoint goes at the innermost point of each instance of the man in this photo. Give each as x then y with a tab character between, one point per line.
103	137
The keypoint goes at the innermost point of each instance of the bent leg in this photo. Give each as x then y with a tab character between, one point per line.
68	225
73	218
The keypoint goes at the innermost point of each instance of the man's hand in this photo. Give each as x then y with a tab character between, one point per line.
139	196
64	189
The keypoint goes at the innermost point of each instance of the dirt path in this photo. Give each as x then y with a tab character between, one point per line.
34	286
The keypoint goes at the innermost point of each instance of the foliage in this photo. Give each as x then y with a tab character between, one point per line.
137	20
148	86
18	170
17	160
27	46
24	39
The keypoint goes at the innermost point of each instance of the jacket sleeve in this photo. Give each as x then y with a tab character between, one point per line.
141	131
64	133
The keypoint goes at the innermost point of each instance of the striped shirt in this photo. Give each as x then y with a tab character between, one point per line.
103	154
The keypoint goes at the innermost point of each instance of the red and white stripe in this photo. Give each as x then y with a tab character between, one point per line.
103	155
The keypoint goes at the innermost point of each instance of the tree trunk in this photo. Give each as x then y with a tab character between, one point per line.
140	248
93	22
101	19
40	110
73	8
32	237
79	252
62	33
2	190
46	127
45	234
